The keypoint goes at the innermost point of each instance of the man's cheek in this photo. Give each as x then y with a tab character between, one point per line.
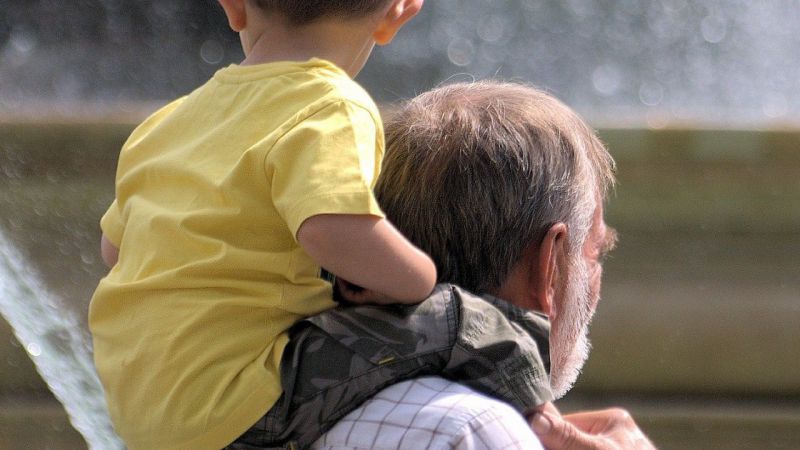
594	286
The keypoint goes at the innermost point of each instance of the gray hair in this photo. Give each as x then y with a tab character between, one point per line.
475	172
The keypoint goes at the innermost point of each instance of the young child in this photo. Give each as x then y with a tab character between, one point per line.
228	202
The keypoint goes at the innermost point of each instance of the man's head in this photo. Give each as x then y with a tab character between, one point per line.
503	186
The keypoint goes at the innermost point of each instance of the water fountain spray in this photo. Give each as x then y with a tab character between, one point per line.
54	340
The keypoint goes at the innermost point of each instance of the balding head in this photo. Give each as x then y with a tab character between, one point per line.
475	172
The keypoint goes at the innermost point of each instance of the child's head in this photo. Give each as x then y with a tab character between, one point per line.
302	12
294	29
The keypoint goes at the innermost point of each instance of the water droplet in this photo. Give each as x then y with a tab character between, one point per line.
22	40
460	52
212	52
64	248
34	349
606	79
714	29
651	93
40	210
87	258
492	28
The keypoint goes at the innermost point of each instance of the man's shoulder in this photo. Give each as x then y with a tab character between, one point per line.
430	413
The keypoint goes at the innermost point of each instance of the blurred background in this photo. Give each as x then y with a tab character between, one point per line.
698	332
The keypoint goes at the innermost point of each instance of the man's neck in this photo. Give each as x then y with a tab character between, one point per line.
271	39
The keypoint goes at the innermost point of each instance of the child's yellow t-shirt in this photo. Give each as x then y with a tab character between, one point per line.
190	324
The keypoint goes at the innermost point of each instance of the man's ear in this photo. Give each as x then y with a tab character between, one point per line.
552	254
399	12
236	11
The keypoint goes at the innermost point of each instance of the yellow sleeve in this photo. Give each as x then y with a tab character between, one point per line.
327	164
111	224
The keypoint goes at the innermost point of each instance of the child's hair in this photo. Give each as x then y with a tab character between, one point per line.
302	12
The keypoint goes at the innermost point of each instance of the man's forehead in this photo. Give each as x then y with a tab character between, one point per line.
600	229
605	236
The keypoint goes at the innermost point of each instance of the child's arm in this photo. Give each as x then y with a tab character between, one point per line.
108	251
370	252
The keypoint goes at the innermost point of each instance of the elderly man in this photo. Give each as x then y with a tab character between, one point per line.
503	186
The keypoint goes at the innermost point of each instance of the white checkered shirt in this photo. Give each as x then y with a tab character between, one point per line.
430	413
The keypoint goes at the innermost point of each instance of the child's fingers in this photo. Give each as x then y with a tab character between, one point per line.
356	294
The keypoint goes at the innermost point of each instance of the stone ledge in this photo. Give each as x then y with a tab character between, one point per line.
27	424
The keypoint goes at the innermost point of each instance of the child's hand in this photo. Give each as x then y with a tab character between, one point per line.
352	293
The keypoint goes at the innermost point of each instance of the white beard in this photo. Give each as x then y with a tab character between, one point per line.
569	339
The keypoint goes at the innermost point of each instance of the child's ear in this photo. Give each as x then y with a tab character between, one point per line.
236	12
400	12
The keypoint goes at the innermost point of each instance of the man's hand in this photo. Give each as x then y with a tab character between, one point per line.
609	429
